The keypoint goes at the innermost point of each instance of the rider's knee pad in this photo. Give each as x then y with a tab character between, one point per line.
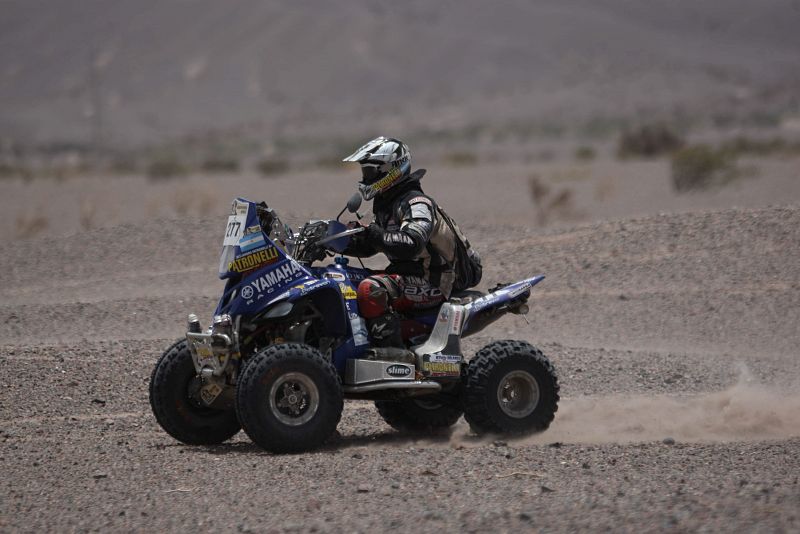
374	295
373	298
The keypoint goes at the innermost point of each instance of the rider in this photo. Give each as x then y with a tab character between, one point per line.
418	238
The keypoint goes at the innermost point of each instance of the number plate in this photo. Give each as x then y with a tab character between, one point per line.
236	225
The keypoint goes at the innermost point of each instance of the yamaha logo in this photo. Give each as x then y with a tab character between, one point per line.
398	370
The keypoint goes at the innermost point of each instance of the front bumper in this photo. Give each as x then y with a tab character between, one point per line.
210	352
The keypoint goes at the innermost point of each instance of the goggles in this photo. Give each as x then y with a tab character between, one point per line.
371	172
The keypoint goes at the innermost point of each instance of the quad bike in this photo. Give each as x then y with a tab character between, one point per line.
287	345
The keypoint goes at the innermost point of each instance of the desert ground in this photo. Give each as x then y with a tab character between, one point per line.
672	321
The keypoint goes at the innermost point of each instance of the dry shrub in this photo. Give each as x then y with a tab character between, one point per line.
550	204
87	213
31	225
698	167
460	159
166	167
585	153
221	165
648	141
272	167
747	146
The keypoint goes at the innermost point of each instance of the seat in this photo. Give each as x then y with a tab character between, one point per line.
467	295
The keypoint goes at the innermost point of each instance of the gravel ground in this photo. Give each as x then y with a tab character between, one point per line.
675	338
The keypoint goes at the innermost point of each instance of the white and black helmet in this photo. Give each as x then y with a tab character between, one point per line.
385	162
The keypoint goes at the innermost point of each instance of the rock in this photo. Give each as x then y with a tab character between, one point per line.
556	444
364	488
500	443
358	456
668	441
101	402
98	476
429	515
545	489
525	516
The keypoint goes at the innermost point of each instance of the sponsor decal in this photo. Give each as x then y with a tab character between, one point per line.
519	291
254	260
348	292
441	369
398	370
444	314
285	273
423	292
415	200
455	326
356	276
339	277
444	358
247	292
387	180
311	285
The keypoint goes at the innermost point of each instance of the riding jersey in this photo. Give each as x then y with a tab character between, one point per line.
412	234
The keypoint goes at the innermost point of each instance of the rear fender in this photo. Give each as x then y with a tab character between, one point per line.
484	311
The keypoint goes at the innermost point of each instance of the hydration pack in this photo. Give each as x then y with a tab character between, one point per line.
466	262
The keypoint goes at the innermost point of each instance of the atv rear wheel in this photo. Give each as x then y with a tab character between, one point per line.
510	387
289	398
424	415
174	398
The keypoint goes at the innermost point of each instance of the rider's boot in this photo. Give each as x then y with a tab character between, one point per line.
386	338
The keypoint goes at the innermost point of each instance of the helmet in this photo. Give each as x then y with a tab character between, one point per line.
385	162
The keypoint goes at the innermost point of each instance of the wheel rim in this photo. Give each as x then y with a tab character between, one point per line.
518	394
294	399
193	394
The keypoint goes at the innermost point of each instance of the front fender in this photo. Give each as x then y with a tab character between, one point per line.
326	297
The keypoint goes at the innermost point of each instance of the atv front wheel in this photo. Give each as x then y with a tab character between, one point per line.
289	398
510	387
425	415
174	398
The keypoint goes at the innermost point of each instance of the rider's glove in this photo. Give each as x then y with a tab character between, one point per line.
374	234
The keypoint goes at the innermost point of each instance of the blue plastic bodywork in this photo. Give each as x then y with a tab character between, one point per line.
260	276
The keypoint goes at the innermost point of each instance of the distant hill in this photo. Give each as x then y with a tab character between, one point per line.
137	71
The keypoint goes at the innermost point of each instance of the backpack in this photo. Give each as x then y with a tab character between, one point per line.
467	263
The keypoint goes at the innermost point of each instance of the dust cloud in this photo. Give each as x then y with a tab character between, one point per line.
747	411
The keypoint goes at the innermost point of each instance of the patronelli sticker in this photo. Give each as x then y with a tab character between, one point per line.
254	260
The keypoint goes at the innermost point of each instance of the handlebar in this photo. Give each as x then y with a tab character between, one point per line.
346	233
